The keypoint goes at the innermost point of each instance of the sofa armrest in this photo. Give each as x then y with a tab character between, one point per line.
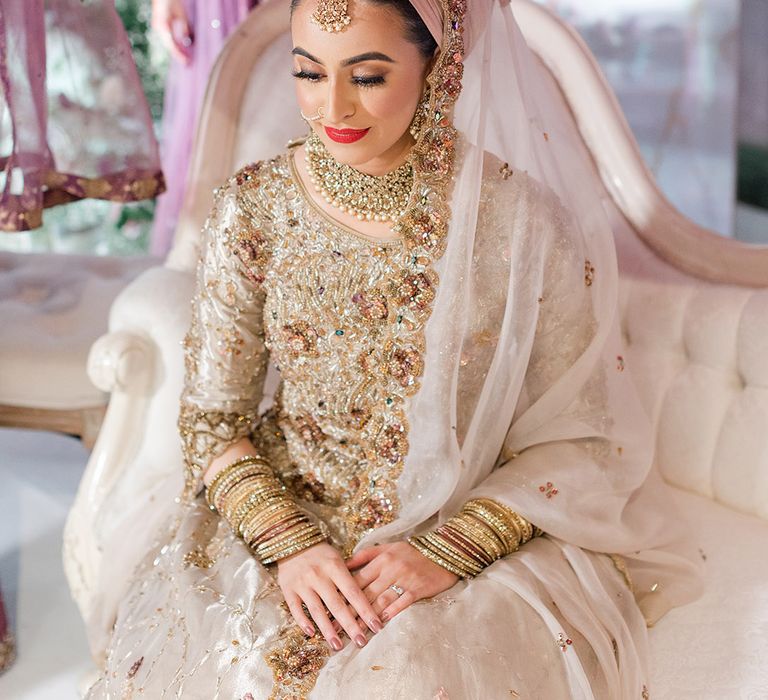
137	455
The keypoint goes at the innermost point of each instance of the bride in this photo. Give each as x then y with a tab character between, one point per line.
452	494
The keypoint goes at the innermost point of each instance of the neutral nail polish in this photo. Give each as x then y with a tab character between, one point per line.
360	640
309	631
336	644
376	625
385	616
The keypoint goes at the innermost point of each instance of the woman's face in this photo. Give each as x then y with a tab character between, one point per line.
366	80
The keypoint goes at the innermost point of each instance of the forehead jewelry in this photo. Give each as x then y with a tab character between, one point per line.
317	117
331	15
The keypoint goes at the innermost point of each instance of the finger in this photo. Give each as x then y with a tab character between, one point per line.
376	587
367	575
294	605
320	616
382	601
182	39
359	602
339	609
398	606
362	557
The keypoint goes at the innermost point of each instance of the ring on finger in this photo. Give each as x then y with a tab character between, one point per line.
397	589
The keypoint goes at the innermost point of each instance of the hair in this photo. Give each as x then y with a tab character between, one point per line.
415	29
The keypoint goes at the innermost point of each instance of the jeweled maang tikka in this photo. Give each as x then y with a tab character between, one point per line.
332	15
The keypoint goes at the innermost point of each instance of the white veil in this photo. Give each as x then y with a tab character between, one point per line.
530	404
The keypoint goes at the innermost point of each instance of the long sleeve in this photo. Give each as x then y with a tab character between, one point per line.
225	354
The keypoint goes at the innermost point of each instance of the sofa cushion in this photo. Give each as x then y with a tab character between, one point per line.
717	647
52	309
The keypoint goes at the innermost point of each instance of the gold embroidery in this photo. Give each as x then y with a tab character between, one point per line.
296	662
621	566
7	651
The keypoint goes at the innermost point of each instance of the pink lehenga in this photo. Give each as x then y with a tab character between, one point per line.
74	121
211	22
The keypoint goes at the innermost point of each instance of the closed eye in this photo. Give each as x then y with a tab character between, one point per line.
306	75
368	80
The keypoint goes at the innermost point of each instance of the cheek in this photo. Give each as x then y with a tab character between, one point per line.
307	95
391	108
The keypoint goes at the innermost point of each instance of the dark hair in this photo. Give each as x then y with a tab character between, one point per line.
415	28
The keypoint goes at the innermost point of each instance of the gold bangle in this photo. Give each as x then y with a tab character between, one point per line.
295	550
415	542
452	555
232	475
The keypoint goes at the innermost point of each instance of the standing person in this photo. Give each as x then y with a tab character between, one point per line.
194	32
83	131
453	494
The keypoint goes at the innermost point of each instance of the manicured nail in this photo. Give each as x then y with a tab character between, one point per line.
336	644
375	625
309	631
360	641
385	616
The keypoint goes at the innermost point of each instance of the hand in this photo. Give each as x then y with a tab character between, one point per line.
169	20
397	563
318	578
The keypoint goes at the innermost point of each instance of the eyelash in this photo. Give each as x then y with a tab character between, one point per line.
361	81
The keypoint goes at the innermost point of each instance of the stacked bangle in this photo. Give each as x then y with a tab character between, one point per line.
481	533
257	506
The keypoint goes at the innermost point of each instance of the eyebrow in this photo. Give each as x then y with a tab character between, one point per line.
368	56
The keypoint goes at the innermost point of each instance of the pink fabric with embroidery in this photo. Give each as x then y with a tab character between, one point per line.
81	130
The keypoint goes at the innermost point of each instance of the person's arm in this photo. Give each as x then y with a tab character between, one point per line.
226	362
170	21
224	351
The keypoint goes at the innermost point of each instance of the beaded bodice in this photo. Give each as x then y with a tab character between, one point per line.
342	315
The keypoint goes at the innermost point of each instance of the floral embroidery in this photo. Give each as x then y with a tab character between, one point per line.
405	366
620	363
563	642
645	694
199	558
372	305
549	489
301	338
505	171
296	662
589	273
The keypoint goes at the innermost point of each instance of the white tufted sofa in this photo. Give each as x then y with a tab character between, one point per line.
53	307
695	314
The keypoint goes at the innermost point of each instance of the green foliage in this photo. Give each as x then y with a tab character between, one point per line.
136	16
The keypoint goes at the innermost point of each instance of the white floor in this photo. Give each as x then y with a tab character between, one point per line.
39	473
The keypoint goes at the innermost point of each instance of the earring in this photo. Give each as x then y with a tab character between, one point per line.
320	114
419	117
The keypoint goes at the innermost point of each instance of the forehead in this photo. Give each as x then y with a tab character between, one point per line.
373	28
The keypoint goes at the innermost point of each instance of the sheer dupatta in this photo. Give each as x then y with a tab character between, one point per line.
81	130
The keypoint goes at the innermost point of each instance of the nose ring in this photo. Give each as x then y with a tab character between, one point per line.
320	114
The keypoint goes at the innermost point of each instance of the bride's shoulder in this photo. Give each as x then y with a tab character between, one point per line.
260	185
506	188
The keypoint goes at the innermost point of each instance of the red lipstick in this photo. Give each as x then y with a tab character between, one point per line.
345	135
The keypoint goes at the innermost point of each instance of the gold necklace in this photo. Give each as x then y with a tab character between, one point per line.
366	197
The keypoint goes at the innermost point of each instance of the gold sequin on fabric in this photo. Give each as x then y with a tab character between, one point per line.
7	651
621	566
296	662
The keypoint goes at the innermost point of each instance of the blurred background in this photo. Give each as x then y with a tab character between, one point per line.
690	76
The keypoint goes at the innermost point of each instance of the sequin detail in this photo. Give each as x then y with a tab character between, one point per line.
296	662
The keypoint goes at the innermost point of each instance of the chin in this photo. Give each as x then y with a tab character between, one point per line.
353	154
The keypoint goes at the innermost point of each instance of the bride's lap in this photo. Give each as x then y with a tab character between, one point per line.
201	615
477	640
